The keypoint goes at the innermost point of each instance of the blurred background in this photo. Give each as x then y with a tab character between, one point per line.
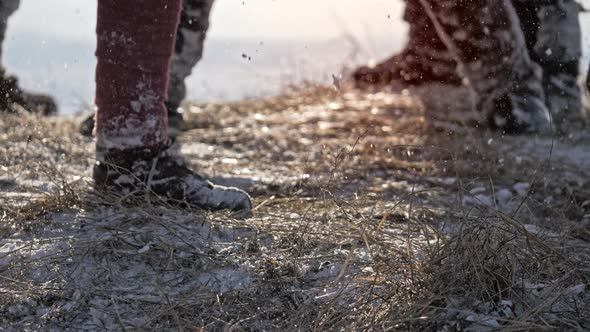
50	45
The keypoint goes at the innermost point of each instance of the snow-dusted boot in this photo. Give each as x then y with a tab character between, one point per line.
12	95
155	172
520	114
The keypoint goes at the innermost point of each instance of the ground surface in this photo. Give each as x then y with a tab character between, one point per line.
372	211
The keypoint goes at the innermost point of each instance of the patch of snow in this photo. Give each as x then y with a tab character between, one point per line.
521	188
483	320
577	290
477	190
478	200
503	197
449	181
97	260
227	279
131	131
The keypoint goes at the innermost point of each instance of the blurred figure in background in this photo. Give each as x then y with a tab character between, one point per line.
135	46
188	50
533	69
11	94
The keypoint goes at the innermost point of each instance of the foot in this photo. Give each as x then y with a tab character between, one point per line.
564	99
153	172
516	114
13	95
175	123
409	69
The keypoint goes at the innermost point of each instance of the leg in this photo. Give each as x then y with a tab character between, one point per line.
528	16
190	37
424	59
10	92
131	73
131	126
491	48
188	50
7	8
558	49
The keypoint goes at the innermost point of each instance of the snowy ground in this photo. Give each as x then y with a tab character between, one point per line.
372	211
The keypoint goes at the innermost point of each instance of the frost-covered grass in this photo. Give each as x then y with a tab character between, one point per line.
372	211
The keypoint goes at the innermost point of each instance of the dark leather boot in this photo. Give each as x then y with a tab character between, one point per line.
12	95
155	172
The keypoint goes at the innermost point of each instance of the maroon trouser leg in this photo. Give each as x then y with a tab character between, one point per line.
135	41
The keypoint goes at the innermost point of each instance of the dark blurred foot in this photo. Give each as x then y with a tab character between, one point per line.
11	96
407	68
516	114
87	126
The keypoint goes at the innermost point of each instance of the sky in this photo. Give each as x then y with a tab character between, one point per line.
50	44
301	19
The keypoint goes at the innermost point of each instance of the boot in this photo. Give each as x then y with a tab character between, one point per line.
425	59
520	114
409	69
11	94
155	172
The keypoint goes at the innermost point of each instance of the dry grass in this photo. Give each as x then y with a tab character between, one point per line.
370	215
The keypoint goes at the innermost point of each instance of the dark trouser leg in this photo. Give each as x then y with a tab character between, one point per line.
192	30
132	74
558	49
190	39
188	50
